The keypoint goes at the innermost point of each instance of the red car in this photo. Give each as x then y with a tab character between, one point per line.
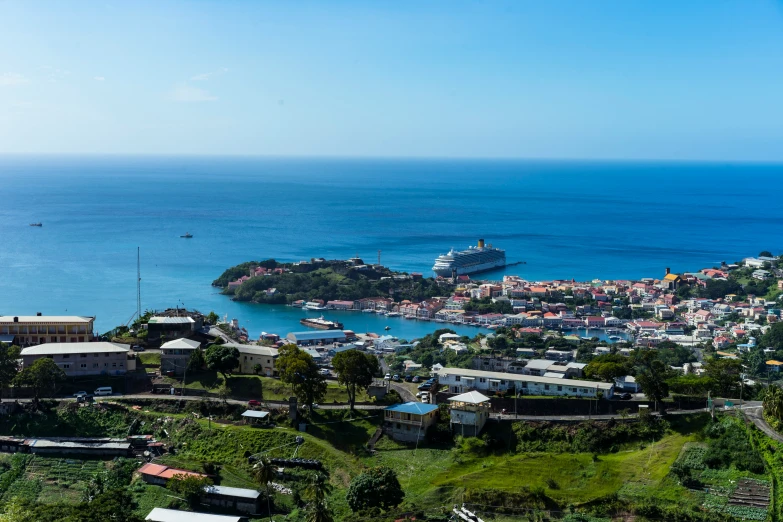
253	403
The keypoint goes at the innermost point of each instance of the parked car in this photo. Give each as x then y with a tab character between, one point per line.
425	386
325	371
80	394
626	396
387	376
409	378
421	394
104	390
416	379
396	378
253	402
137	348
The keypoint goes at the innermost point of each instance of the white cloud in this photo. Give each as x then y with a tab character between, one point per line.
206	76
11	79
189	94
98	78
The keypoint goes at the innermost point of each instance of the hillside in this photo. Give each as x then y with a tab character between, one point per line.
327	280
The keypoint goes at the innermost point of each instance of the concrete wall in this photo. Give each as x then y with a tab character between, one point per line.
94	363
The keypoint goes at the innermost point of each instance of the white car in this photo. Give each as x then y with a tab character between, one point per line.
420	395
325	371
387	377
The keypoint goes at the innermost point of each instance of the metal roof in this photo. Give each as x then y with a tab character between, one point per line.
255	414
45	319
170	320
232	492
172	515
182	344
419	408
472	397
75	348
311	336
253	349
7	338
514	377
554	375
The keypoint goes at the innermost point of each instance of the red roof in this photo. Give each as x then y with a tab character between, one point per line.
165	472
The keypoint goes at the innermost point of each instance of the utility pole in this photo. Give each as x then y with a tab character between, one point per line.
138	283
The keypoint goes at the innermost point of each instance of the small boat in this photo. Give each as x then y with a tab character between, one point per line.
187	235
387	328
36	224
368	311
615	337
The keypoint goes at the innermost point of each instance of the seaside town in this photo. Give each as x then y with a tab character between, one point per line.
676	345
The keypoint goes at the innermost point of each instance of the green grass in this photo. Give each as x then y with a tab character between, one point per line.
149	359
257	387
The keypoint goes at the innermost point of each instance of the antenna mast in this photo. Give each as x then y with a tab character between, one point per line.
138	283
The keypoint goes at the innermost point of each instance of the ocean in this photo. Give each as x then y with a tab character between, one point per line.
581	220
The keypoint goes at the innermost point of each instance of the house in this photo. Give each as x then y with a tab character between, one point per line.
537	367
160	475
461	380
171	327
627	383
236	499
340	305
77	359
671	281
447	336
173	515
29	330
174	355
409	422
469	412
252	356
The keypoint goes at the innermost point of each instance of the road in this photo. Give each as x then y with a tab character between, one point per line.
405	394
755	414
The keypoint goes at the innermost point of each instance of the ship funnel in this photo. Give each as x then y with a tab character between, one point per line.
481	243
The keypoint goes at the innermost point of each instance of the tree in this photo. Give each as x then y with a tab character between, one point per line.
224	392
766	253
652	375
318	488
257	368
264	473
355	370
212	317
375	488
774	337
190	487
16	510
691	384
116	505
607	367
196	360
725	375
9	355
297	368
43	376
222	359
773	402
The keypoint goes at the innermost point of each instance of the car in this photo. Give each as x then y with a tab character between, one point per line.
425	398
80	394
396	378
169	373
387	376
104	390
325	371
425	386
253	402
626	396
416	379
409	378
137	348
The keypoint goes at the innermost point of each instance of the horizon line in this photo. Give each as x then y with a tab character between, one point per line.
389	158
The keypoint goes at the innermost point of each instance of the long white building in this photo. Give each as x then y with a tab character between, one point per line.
461	380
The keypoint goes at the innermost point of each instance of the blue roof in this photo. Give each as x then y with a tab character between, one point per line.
419	408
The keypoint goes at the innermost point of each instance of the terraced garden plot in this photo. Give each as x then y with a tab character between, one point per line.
50	480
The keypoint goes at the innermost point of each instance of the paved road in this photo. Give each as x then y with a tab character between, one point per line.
405	393
755	414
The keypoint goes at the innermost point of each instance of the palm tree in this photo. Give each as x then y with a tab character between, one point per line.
773	402
264	473
318	488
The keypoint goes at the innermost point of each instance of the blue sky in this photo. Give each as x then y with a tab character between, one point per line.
665	79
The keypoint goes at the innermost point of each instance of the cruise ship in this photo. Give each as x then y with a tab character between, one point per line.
475	259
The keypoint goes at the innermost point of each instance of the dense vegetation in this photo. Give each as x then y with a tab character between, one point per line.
327	281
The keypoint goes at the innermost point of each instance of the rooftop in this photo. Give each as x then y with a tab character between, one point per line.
472	397
73	348
170	320
45	319
182	344
254	349
233	492
172	515
255	414
418	408
514	377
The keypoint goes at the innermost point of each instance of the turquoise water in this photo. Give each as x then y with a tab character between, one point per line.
565	219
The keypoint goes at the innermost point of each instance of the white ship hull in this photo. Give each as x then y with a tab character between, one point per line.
470	261
471	269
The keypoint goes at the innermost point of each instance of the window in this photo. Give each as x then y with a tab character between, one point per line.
559	388
482	379
105	354
573	390
398	425
457	378
113	365
122	364
502	382
546	386
94	365
105	365
66	366
408	427
83	355
67	356
95	355
83	365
